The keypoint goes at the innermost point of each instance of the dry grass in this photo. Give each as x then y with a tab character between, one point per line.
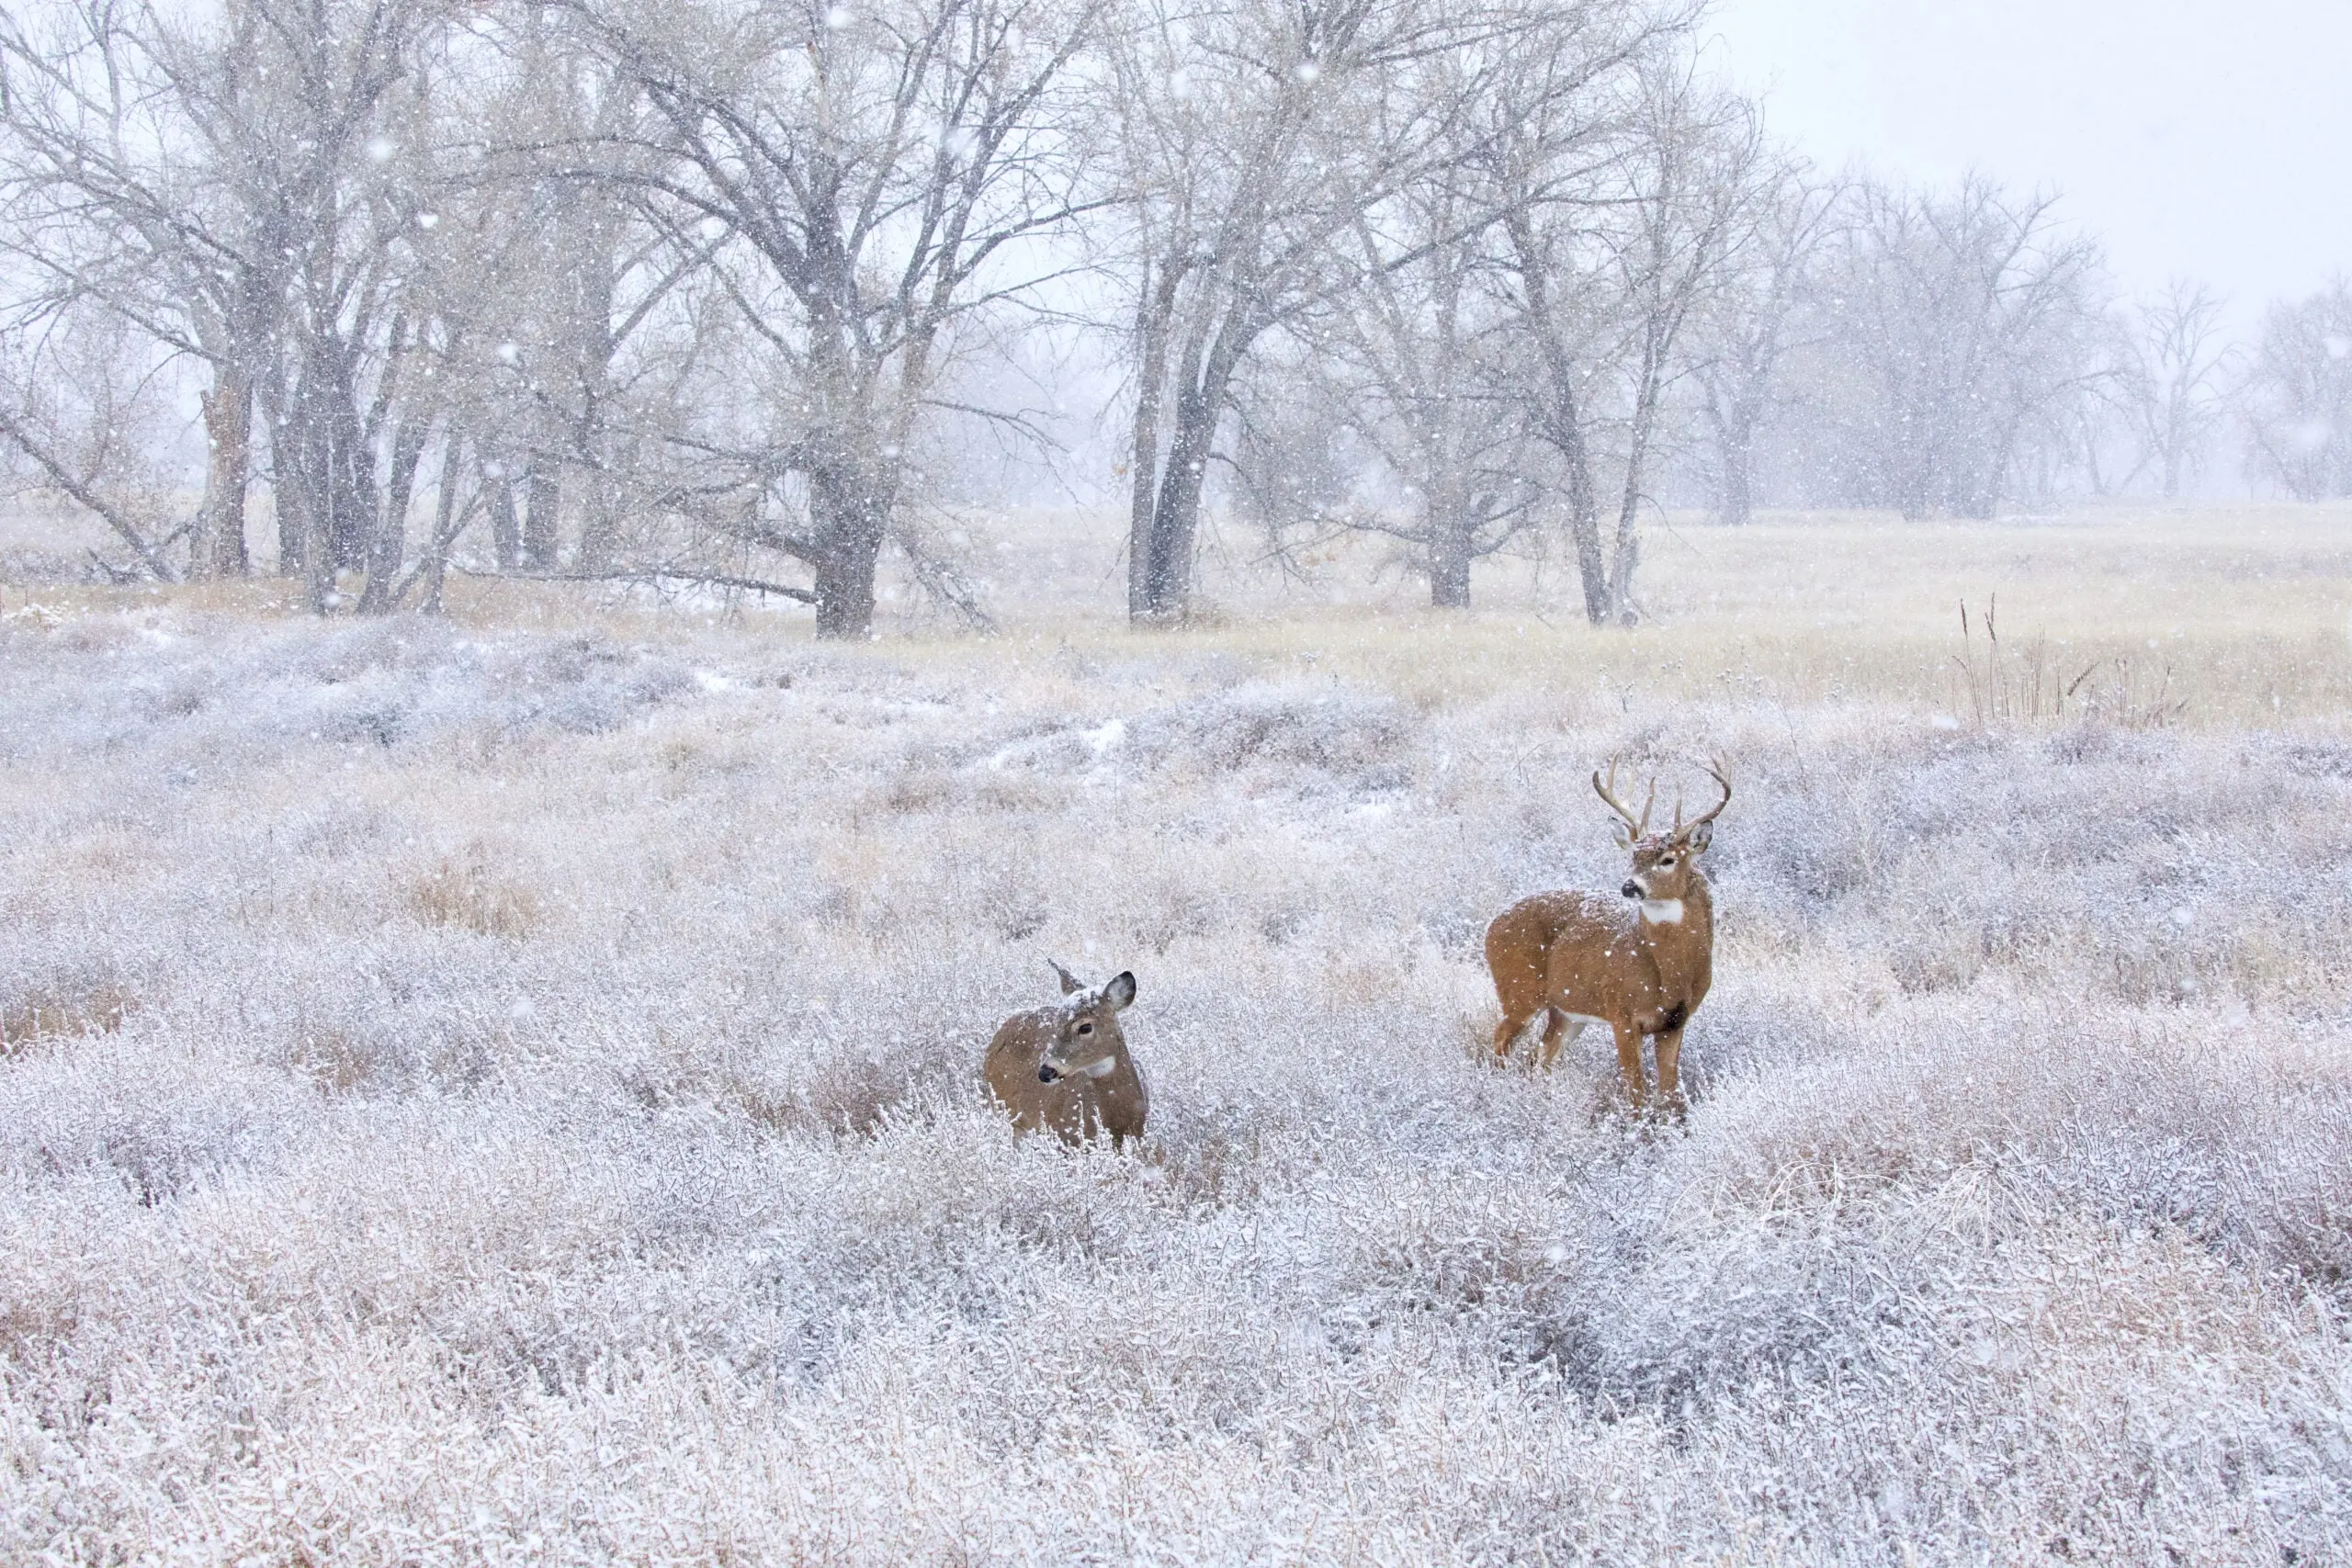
58	1006
545	1130
463	891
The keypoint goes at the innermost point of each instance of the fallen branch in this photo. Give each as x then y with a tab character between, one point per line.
656	574
149	552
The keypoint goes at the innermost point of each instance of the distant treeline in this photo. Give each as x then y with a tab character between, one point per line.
743	292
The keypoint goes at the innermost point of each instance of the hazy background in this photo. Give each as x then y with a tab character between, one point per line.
1490	310
2196	138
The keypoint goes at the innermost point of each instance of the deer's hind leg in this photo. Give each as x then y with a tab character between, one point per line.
1560	1030
1505	1032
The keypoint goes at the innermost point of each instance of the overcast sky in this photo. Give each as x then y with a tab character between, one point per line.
2204	138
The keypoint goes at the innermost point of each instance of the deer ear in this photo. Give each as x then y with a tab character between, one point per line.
1623	833
1069	981
1700	835
1119	991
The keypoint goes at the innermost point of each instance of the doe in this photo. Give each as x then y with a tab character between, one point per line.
1065	1069
1641	965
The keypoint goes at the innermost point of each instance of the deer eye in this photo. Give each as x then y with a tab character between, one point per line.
1665	862
1086	1028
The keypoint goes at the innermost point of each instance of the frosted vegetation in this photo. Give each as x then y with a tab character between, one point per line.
480	1092
565	659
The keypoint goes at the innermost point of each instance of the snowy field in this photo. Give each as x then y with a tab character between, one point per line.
500	1090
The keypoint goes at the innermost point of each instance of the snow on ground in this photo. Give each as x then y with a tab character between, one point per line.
504	1095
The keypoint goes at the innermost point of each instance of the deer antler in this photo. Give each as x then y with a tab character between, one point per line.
1640	825
1716	771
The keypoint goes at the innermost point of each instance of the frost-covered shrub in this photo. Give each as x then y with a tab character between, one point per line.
464	891
542	1121
62	999
1351	734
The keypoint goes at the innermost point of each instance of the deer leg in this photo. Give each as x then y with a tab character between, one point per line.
1561	1032
1629	1062
1505	1032
1669	1072
1547	1045
1517	1017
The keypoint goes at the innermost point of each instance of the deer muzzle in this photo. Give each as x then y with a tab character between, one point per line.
1045	1073
1631	889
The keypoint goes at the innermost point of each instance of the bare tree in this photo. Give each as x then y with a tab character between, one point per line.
877	176
244	185
2298	390
84	400
1409	355
1693	176
1254	136
102	210
572	270
1423	383
1616	183
1960	324
2174	381
1749	322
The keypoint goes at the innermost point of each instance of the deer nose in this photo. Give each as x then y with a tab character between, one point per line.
1045	1073
1631	889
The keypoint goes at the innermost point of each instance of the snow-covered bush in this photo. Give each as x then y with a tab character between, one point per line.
506	1097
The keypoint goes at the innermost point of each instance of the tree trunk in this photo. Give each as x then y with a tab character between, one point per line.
850	505
542	495
1448	525
1154	314
1562	423
1735	430
592	441
286	496
1204	379
1979	486
1176	511
844	584
228	429
349	472
1565	431
1627	555
444	529
391	545
315	505
505	526
302	487
599	521
2176	445
290	529
1739	496
1449	566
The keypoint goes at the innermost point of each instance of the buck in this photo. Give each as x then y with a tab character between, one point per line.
1065	1069
1641	965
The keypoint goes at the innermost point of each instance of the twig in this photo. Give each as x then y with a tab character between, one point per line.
653	574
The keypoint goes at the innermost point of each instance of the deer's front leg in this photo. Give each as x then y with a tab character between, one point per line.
1669	1071
1629	1062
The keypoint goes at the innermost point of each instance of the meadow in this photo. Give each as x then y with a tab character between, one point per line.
499	1088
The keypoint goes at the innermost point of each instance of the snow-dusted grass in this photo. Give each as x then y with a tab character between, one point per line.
504	1094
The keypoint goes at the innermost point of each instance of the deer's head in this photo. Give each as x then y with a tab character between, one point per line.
1665	862
1086	1039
